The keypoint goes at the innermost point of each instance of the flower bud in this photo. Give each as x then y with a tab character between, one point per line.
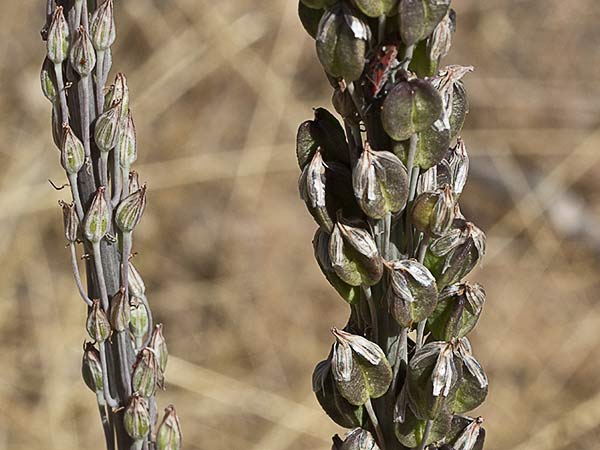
130	210
48	80
360	368
107	129
418	18
97	219
137	288
136	418
58	37
358	439
168	435
412	292
159	345
91	368
146	373
97	324
120	311
409	108
433	212
380	183
70	220
127	143
72	155
83	56
354	255
458	310
102	25
342	43
138	320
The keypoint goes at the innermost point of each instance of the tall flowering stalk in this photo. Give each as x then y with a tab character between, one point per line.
93	128
384	187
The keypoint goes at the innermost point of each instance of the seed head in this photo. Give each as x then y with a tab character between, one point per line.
120	311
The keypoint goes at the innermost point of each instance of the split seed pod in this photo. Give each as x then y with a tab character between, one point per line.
472	387
466	433
458	310
455	105
159	345
418	18
70	221
433	212
357	439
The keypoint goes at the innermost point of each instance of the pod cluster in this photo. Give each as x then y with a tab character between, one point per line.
383	185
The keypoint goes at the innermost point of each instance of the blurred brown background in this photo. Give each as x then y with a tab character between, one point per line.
218	89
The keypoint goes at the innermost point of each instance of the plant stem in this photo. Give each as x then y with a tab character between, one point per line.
137	445
99	82
100	275
124	365
76	198
116	178
372	310
401	357
104	175
387	231
75	268
106	389
125	177
108	434
60	84
375	422
84	92
425	435
381	28
408	56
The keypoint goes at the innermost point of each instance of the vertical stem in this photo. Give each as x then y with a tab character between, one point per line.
76	198
116	177
127	244
425	435
75	268
421	257
375	422
106	388
381	28
124	365
84	92
100	275
408	56
387	230
60	84
125	178
421	333
104	175
108	434
401	357
373	311
99	81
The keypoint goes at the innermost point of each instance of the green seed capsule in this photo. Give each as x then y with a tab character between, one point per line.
127	146
433	212
136	418
72	155
159	345
83	55
58	38
107	128
146	374
418	18
120	311
130	210
48	81
102	25
91	368
138	320
70	221
97	219
97	324
168	435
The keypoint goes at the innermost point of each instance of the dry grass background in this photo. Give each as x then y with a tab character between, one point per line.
218	90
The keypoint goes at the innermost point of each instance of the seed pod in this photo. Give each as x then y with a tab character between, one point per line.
137	288
136	418
118	93
411	432
72	155
70	220
342	43
310	18
97	219
453	170
138	319
58	37
159	345
433	212
324	132
455	106
321	248
380	183
330	399
441	40
432	379
409	108
146	374
48	80
134	181
357	439
458	310
83	56
360	368
473	385
107	129
119	311
418	18
130	210
168	436
127	144
375	8
466	433
412	291
97	324
91	368
354	255
102	25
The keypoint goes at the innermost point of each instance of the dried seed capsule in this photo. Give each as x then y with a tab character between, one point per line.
48	80
118	93
136	418
137	288
159	345
70	220
120	311
130	210
466	433
409	108
360	368
357	439
58	37
473	385
310	18
127	143
433	212
138	319
97	219
432	379
342	43
354	255
411	431
418	18
72	155
168	436
102	25
146	374
450	87
412	292
83	56
97	324
440	42
91	368
453	169
134	181
107	128
458	310
380	183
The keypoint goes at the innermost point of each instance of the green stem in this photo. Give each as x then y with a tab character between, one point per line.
375	422
108	435
425	435
373	312
76	197
106	388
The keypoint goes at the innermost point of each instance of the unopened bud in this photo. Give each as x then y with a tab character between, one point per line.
168	436
137	288
138	320
97	219
146	375
91	368
102	25
127	143
72	155
58	37
48	80
159	345
120	311
136	418
83	56
97	324
70	220
130	210
433	212
107	129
